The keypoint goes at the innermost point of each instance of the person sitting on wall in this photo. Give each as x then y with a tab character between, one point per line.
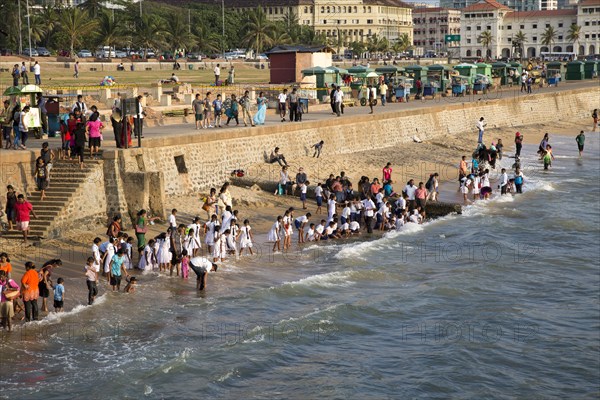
276	157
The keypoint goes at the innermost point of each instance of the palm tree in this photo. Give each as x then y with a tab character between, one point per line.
372	44
402	43
280	34
43	24
486	40
110	30
519	42
358	48
207	41
150	32
338	41
259	31
292	27
93	7
309	37
574	35
548	37
75	25
179	34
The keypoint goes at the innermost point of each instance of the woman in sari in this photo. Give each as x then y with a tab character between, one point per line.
259	117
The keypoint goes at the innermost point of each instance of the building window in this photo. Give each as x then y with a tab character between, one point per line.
355	9
369	21
489	28
305	10
587	23
509	40
509	27
560	25
560	37
275	10
547	25
270	10
521	26
587	36
478	28
534	39
534	26
322	9
468	28
468	41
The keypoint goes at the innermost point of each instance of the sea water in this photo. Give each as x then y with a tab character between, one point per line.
500	302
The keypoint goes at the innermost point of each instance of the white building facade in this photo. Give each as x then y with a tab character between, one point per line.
504	24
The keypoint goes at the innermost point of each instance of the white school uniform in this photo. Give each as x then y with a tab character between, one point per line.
111	250
245	239
330	210
354	226
310	235
197	243
318	191
96	256
287	221
226	221
210	234
274	233
346	212
319	229
476	182
147	259
220	248
164	254
172	221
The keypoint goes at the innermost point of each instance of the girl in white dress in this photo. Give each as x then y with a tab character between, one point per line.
287	229
189	242
220	248
164	251
147	259
111	250
209	231
476	188
275	234
246	237
197	244
234	231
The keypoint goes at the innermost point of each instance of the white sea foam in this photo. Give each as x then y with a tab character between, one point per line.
330	279
54	317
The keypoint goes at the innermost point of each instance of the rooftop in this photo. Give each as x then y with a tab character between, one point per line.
486	5
589	2
541	13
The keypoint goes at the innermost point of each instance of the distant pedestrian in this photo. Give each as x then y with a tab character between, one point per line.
580	139
293	103
383	88
217	72
198	106
595	118
282	104
339	99
59	295
518	144
371	94
16	73
91	280
37	72
245	104
231	76
76	70
233	111
138	118
481	124
24	76
318	147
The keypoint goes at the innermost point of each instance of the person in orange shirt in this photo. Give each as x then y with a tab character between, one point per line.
30	291
5	264
463	168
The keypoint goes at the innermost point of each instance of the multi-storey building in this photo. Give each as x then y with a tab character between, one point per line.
354	20
517	5
504	24
588	17
431	25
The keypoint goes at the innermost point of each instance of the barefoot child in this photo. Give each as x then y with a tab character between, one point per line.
300	223
185	259
319	197
131	284
303	190
275	234
246	237
91	279
201	267
59	293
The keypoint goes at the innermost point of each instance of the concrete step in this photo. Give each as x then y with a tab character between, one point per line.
40	208
50	198
47	202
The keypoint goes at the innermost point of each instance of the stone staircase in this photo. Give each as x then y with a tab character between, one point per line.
65	180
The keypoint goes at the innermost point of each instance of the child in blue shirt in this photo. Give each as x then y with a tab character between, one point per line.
218	107
59	293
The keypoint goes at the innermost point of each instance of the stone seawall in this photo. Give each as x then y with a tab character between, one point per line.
196	162
170	165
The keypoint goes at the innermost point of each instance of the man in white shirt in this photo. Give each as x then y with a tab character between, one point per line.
80	104
369	207
217	72
503	181
138	118
383	88
339	98
282	104
173	219
480	127
37	71
410	190
202	266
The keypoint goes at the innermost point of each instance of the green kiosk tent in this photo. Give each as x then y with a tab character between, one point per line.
575	71
416	72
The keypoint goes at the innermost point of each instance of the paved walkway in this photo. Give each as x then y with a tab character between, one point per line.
325	114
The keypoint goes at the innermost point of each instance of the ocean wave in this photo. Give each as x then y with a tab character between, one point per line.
330	279
55	317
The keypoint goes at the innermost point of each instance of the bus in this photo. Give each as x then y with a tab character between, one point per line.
558	56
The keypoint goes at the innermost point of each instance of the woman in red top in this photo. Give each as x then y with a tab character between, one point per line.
375	186
30	291
387	172
421	196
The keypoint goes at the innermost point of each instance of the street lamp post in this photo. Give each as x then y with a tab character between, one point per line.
223	35
29	27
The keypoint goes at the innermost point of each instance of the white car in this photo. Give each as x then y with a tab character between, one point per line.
120	54
84	54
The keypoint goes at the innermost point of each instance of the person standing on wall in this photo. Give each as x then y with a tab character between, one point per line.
24	74
293	99
217	72
480	127
339	98
138	118
37	72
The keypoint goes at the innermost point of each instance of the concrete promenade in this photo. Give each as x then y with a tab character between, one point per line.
323	113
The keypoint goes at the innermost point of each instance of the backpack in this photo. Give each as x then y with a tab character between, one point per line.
429	184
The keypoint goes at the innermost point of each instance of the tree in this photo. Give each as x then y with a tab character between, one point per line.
291	25
402	43
75	24
574	35
548	37
110	30
179	34
486	40
338	41
280	34
358	48
518	43
206	40
309	37
259	31
93	8
150	32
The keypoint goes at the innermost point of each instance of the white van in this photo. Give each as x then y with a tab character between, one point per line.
105	52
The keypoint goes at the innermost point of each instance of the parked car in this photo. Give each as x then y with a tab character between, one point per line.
30	52
43	52
262	56
84	54
194	56
6	52
120	54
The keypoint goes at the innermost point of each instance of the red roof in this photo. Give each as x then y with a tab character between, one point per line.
541	13
433	9
486	5
589	2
